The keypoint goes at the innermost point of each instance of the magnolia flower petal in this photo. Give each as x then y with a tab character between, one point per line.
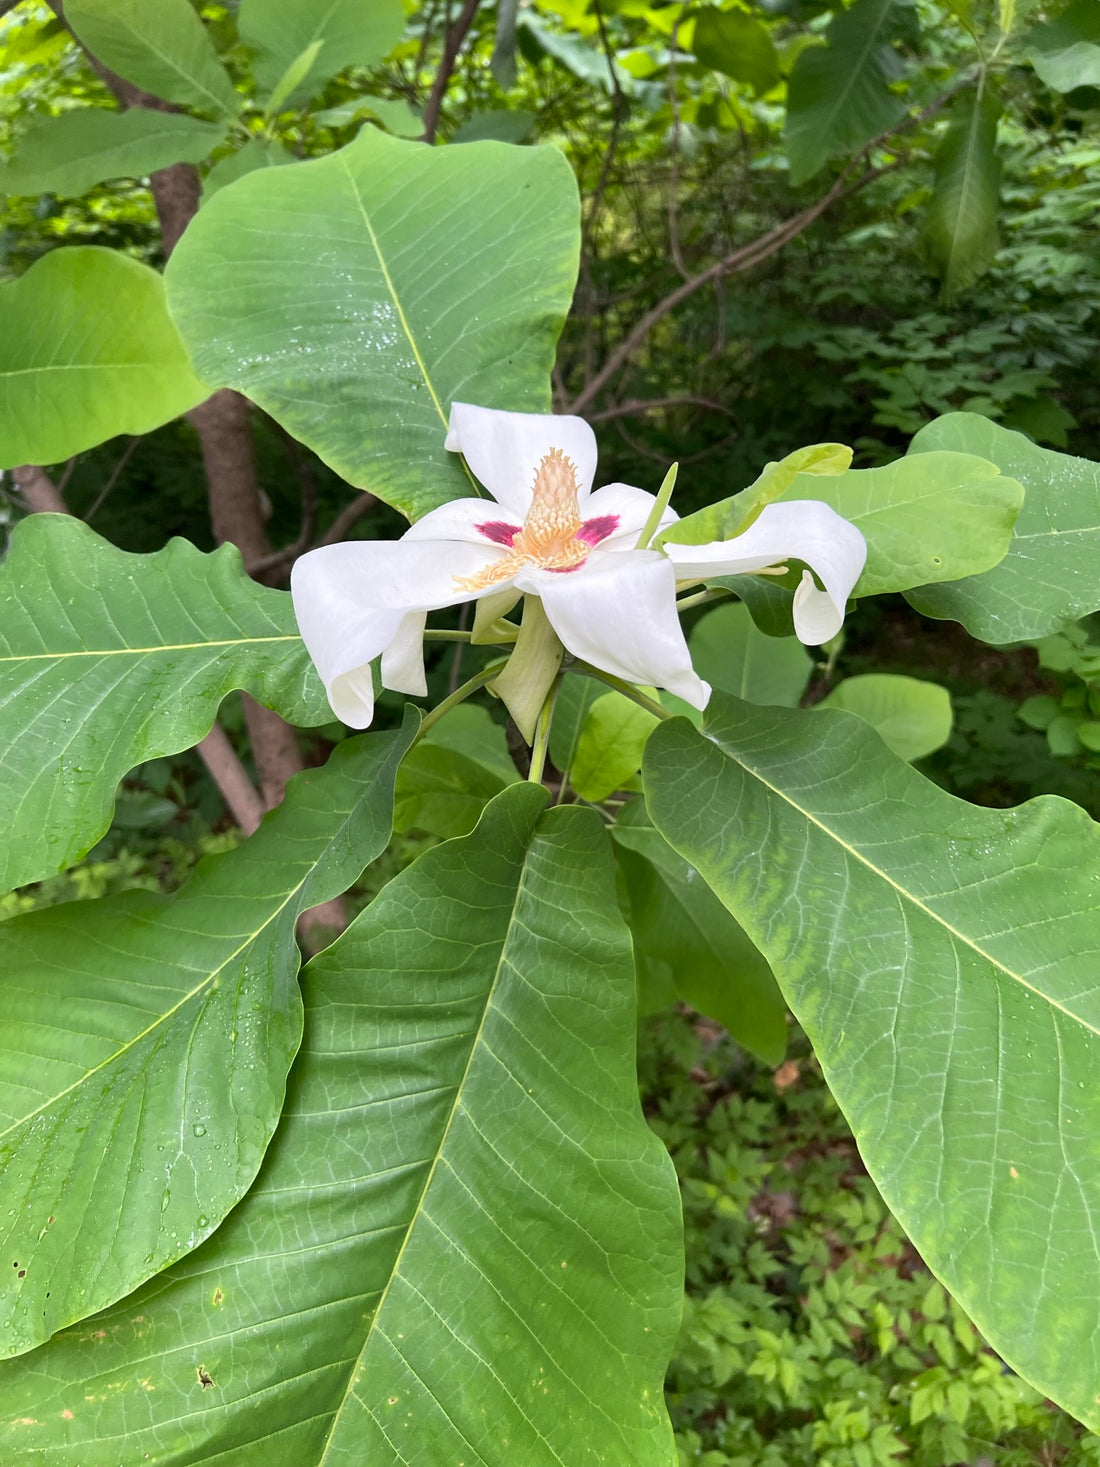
630	507
619	614
353	600
403	660
800	529
474	521
504	450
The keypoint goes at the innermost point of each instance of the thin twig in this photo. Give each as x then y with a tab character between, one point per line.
635	406
674	173
308	487
451	47
350	515
112	480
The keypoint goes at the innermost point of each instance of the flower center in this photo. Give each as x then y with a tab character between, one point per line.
550	535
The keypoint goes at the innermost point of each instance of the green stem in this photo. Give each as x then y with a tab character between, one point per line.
702	598
446	636
459	695
542	734
621	686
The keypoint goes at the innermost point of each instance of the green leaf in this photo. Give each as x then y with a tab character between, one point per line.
610	746
948	517
731	653
159	45
1066	52
679	924
729	516
1049	575
397	117
840	94
911	716
576	695
961	227
109	659
87	352
463	1241
70	154
145	1048
291	78
445	273
941	959
345	32
256	153
738	46
449	777
506	125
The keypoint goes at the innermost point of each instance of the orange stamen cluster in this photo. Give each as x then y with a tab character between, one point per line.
548	537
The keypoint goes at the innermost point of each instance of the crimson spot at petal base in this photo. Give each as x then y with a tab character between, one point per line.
597	529
498	531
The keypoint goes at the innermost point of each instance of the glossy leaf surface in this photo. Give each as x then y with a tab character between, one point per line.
373	287
70	154
146	1044
160	45
1049	575
464	1243
87	352
942	959
108	659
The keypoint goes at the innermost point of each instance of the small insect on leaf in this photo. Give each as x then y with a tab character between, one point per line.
204	1379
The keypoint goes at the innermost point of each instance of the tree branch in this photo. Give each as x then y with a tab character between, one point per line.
451	47
636	405
39	492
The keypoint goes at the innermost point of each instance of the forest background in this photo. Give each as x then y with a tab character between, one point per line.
773	253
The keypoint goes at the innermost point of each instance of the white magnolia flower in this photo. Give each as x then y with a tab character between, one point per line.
545	533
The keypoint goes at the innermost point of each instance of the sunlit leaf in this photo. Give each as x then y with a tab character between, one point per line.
911	716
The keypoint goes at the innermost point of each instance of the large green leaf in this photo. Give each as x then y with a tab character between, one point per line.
159	45
463	1245
1066	52
942	959
355	297
109	659
731	653
146	1045
609	750
447	779
682	933
350	33
735	44
911	716
72	153
87	352
961	227
840	94
938	517
1049	576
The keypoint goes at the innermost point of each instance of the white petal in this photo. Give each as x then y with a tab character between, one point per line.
800	529
403	659
504	450
459	520
631	507
619	613
351	602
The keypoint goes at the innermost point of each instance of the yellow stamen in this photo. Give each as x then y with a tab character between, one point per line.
548	537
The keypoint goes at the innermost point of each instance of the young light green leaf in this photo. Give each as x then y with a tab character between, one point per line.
680	927
87	352
145	1048
961	227
159	45
339	33
1048	577
256	153
446	273
1066	52
840	94
477	1237
738	46
911	716
291	78
730	652
109	659
70	154
942	960
1006	15
610	746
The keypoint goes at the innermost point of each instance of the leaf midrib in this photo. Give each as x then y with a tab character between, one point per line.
902	891
20	658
